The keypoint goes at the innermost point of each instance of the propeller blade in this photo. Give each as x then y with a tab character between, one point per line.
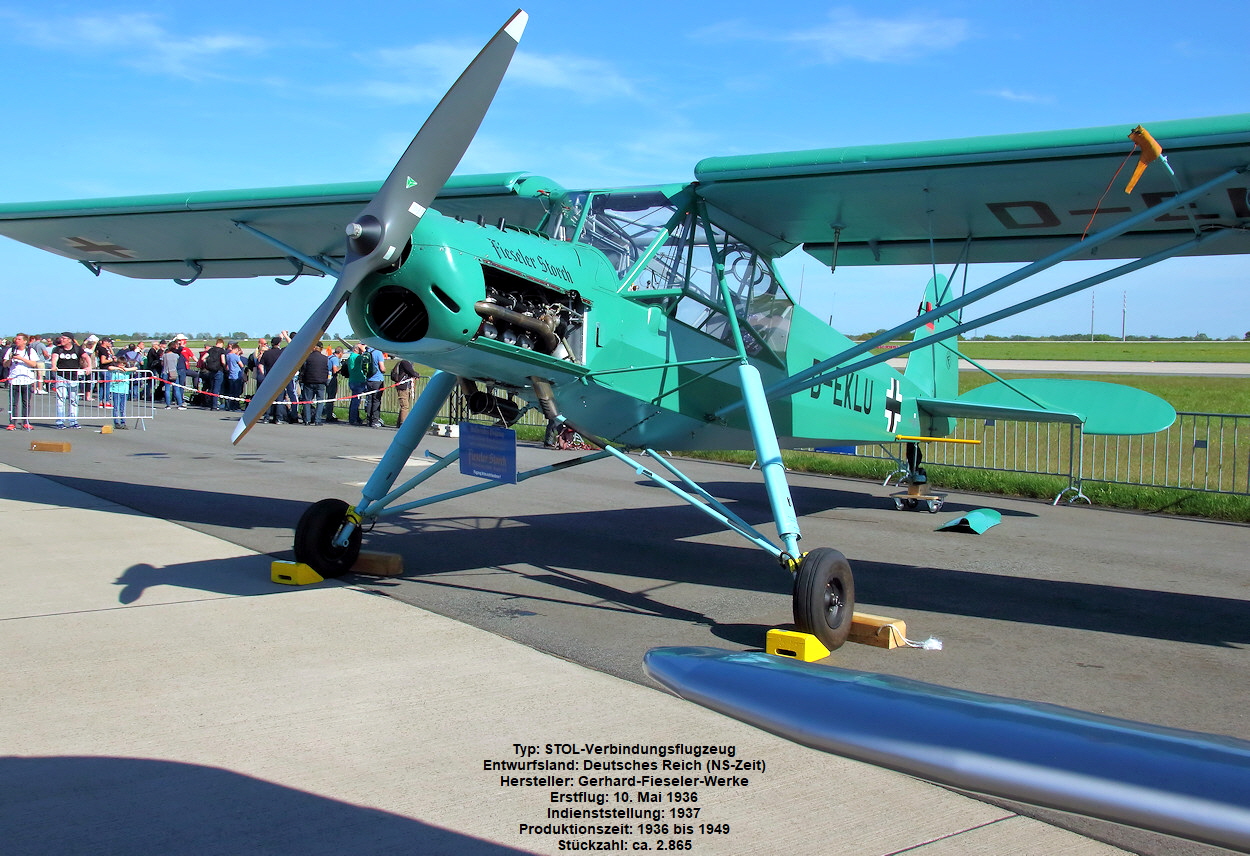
378	235
290	361
380	232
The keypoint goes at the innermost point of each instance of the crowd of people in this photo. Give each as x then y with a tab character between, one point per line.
168	371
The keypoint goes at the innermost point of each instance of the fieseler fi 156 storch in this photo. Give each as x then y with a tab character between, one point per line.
654	317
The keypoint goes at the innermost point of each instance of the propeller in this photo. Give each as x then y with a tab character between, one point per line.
378	235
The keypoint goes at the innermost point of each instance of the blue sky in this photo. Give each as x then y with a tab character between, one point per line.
116	99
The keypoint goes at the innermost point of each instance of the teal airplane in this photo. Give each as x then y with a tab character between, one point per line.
654	317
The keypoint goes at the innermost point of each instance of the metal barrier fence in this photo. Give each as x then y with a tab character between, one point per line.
454	410
1201	452
97	396
90	399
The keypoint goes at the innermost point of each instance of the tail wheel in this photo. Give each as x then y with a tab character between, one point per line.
824	597
314	539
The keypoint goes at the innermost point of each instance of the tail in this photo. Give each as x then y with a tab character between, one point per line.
935	369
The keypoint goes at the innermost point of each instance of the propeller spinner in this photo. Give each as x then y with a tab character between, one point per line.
378	235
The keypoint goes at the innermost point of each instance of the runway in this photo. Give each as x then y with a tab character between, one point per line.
1136	616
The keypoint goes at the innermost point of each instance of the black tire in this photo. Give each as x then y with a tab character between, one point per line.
314	537
824	597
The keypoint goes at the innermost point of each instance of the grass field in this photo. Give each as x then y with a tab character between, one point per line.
1144	352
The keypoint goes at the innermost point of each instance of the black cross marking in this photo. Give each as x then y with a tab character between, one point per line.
893	406
85	245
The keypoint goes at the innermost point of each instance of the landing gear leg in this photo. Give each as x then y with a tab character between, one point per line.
824	589
327	537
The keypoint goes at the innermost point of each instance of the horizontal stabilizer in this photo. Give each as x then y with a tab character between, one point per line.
1103	408
977	410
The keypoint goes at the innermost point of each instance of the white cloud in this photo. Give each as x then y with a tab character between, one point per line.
138	40
422	72
849	35
1020	97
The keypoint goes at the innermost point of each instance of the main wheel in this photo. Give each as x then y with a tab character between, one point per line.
824	597
315	534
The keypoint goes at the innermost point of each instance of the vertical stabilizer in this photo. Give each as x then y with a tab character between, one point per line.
935	369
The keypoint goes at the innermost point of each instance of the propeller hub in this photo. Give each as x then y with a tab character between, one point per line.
365	234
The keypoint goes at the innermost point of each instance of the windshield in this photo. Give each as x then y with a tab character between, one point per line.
657	252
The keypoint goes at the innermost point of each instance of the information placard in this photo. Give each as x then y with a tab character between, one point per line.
488	452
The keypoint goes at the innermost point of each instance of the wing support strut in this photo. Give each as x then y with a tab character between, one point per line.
710	506
827	370
1097	279
379	492
322	263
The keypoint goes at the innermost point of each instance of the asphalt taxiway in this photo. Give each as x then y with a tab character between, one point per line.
1144	617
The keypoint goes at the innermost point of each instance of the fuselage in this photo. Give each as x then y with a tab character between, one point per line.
628	336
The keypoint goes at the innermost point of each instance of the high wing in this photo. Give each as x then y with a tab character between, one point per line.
1012	198
157	237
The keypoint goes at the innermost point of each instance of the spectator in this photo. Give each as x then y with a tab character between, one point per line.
279	410
133	355
43	353
404	376
215	366
22	362
67	369
184	367
335	362
106	359
118	370
173	367
153	365
312	378
355	383
253	362
236	373
375	378
89	346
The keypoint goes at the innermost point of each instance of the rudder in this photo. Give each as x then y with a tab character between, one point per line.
935	368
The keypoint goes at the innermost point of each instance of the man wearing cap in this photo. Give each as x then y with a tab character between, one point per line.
68	358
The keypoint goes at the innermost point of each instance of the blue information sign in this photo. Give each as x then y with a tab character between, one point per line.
488	452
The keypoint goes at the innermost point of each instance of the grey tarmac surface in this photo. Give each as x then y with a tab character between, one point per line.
1138	616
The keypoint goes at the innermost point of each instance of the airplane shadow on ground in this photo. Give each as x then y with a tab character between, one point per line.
572	551
90	805
242	576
